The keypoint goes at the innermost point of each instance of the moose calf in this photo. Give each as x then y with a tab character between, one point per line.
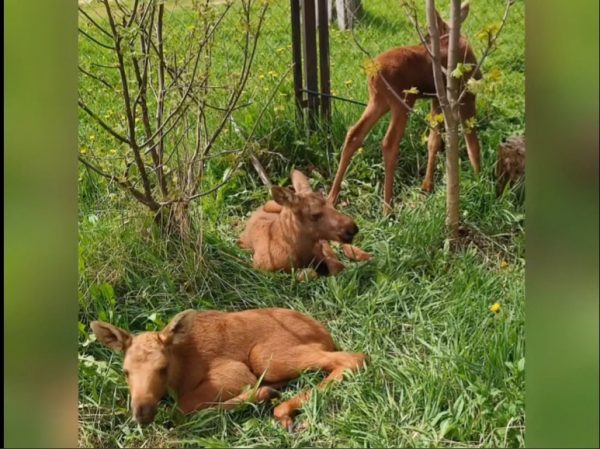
408	71
293	231
510	168
211	359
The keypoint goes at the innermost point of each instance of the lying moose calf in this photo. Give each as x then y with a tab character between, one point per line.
293	231
210	358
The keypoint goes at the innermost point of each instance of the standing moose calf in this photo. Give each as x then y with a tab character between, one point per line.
210	358
404	69
293	231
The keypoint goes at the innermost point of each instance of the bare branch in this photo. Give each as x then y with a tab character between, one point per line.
161	98
248	59
96	41
102	123
123	184
97	78
490	45
248	139
436	56
127	102
412	15
100	27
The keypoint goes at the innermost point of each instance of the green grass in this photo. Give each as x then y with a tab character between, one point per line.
443	371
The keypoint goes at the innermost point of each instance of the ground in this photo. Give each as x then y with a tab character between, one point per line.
444	370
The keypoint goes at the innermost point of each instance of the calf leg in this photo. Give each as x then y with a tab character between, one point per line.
224	388
328	257
391	147
354	139
336	363
434	144
355	253
467	112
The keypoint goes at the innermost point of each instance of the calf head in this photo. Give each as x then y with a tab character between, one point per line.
317	218
148	360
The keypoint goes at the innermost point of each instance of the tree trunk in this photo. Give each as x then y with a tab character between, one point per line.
452	179
453	123
346	12
447	93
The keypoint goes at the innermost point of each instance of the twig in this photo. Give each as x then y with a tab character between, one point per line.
97	78
101	122
491	42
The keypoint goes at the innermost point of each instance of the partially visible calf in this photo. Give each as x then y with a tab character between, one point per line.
293	230
510	168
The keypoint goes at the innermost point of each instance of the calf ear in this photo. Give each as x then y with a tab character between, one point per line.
464	11
178	327
284	196
300	182
111	336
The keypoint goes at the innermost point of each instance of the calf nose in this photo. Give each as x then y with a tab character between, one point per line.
144	414
349	233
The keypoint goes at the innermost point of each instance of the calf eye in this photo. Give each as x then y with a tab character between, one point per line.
316	216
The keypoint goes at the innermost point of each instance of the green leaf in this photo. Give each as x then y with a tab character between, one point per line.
446	427
461	69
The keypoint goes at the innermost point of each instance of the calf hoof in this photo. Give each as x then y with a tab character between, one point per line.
267	394
285	420
355	253
335	267
306	274
302	426
427	186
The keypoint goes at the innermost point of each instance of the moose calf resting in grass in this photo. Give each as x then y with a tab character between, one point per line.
293	232
210	358
409	72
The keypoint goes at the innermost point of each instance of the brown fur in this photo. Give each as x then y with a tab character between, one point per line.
293	231
510	168
404	68
211	359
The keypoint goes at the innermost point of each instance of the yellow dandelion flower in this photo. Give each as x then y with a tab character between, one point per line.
495	74
371	67
360	150
495	308
83	150
261	77
92	137
504	264
348	82
113	151
413	90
